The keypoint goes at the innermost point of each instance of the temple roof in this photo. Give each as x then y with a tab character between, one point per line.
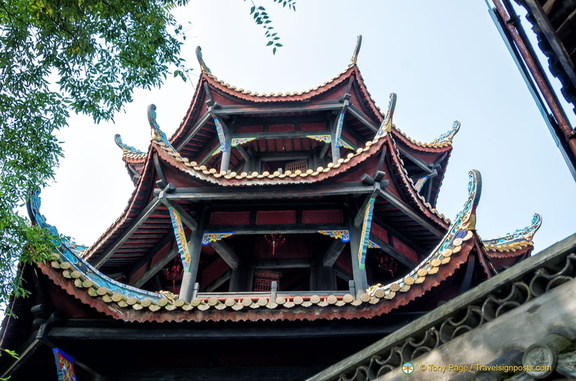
204	179
88	285
384	167
197	137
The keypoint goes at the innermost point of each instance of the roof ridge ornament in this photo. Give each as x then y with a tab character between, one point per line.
386	125
523	234
157	134
126	149
466	219
447	137
77	264
203	66
354	58
460	230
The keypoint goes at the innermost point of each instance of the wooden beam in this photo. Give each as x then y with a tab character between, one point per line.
269	192
195	128
191	270
243	110
333	252
278	135
294	155
555	42
226	275
428	168
359	275
133	226
159	172
145	260
391	198
238	279
281	263
358	115
391	251
245	155
226	145
334	139
226	253
359	218
282	229
184	215
324	150
96	330
153	270
395	232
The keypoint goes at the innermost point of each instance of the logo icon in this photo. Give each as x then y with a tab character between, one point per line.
407	368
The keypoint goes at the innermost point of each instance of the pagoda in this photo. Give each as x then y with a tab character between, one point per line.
271	236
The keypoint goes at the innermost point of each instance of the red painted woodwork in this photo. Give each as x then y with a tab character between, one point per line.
281	127
249	129
213	271
379	232
230	218
312	126
322	216
276	217
293	246
349	138
405	249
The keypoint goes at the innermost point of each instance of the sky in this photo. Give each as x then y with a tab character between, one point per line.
444	59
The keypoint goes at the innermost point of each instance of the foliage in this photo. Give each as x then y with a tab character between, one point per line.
59	57
262	18
12	354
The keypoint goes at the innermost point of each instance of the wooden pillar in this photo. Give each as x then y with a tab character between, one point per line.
327	279
225	139
322	276
191	271
359	274
238	279
335	140
314	276
337	127
226	151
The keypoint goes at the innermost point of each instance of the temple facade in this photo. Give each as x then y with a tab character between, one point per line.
271	236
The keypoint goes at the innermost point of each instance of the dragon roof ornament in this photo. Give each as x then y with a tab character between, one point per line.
518	237
157	134
203	66
126	149
444	140
447	136
354	58
386	125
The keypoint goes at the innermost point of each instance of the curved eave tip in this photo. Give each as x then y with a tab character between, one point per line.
536	223
203	66
354	58
387	123
448	137
468	221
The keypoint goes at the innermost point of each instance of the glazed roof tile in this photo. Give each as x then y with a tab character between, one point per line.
299	177
268	178
443	141
515	241
122	303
